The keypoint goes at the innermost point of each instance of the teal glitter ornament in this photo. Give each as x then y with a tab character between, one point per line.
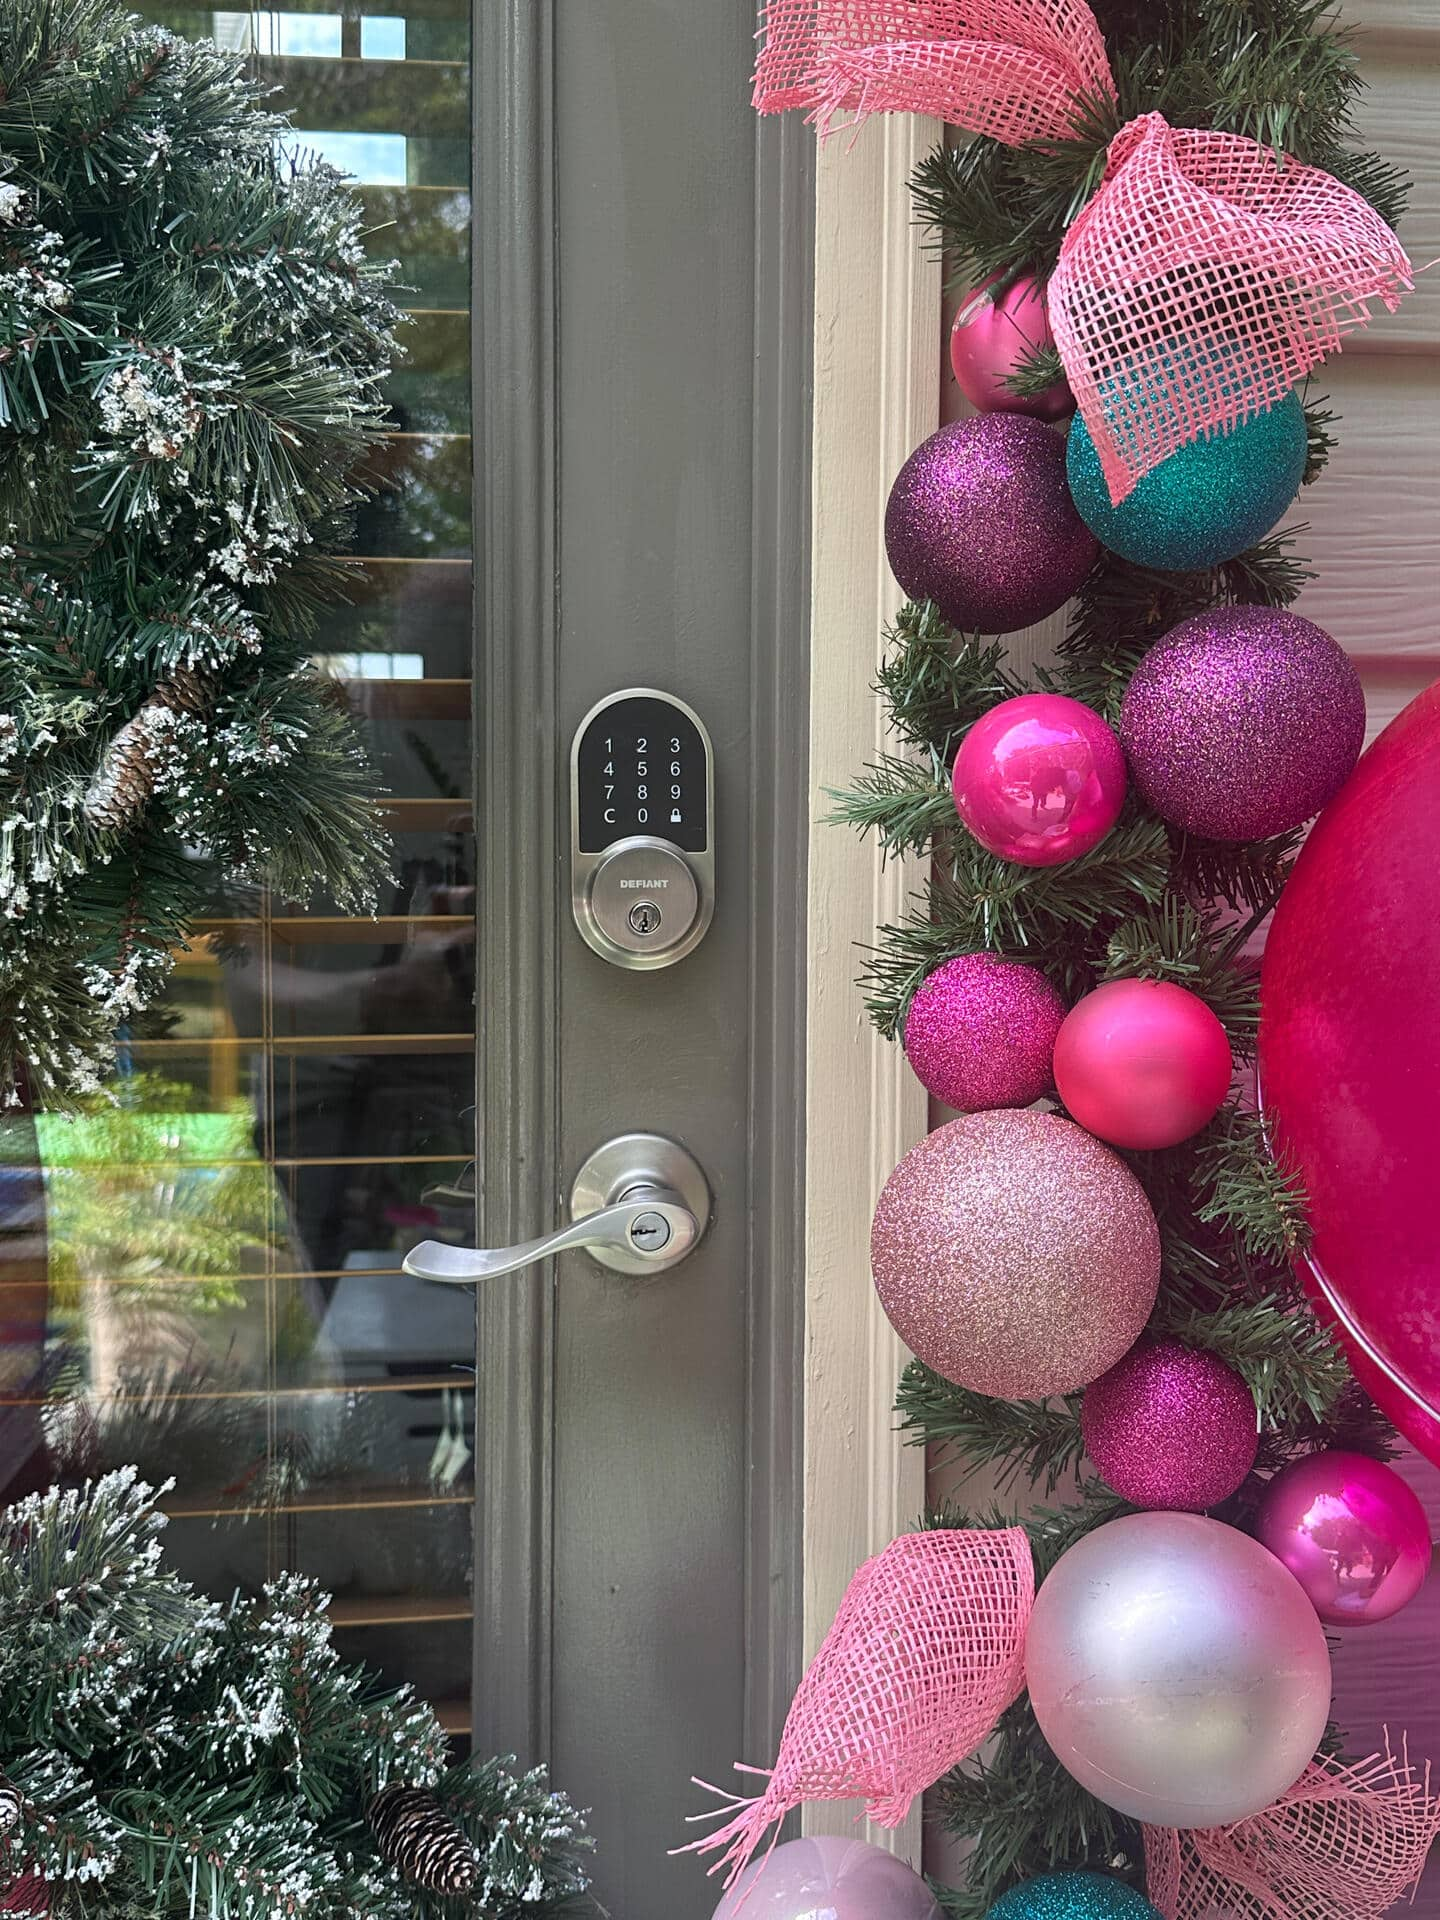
1073	1896
1206	503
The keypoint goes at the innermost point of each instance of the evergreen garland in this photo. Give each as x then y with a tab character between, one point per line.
164	1755
192	345
1146	902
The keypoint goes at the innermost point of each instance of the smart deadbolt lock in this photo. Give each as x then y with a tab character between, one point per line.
642	828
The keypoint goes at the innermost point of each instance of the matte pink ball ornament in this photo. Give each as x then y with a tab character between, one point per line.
1350	1060
1142	1063
1014	1254
1039	779
828	1877
1242	722
1170	1426
994	334
1351	1531
981	1031
980	521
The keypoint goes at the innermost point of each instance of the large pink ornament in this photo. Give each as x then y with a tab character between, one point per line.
994	334
1177	1670
1142	1063
1350	1062
981	1031
980	521
1039	779
1170	1426
1014	1254
1352	1533
829	1878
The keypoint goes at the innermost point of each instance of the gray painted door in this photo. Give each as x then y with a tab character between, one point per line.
642	278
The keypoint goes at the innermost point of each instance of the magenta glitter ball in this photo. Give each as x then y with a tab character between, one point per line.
1242	722
981	1031
828	1877
1142	1063
980	521
1014	1254
1170	1426
1039	779
993	335
1351	1531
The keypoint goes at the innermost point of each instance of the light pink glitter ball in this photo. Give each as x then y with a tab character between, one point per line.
981	1032
1015	1254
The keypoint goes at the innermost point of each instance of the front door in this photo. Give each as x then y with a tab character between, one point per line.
641	270
595	486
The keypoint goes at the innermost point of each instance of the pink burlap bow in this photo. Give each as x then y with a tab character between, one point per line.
1207	275
1345	1843
925	1654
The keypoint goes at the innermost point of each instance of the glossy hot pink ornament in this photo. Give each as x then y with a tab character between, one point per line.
1350	1061
829	1877
1351	1531
1039	779
1142	1063
994	334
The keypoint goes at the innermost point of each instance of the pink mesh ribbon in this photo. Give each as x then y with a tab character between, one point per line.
923	1657
1345	1843
1204	279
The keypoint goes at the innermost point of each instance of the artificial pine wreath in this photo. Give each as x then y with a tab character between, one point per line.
161	1754
192	345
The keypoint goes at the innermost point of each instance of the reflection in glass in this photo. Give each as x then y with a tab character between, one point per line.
201	1273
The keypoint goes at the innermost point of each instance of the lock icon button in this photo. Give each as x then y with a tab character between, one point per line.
675	816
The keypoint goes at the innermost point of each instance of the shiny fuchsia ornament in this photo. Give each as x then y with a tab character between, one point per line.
1039	779
981	1031
980	521
1170	1426
1350	1061
1142	1063
996	331
1351	1531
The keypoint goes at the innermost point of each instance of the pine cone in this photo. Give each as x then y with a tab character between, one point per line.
125	777
421	1841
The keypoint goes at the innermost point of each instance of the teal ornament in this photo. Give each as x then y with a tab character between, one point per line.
1073	1896
1209	501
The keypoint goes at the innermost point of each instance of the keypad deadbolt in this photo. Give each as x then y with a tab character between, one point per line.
642	828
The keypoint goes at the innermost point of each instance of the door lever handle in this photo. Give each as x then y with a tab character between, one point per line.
652	1223
638	1205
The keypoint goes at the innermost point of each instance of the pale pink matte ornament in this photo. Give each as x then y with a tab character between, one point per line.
1350	1062
1039	779
1142	1063
993	335
925	1654
828	1877
1351	1531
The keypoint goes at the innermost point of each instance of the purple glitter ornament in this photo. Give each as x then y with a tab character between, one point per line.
981	522
1170	1426
1242	722
1014	1254
981	1032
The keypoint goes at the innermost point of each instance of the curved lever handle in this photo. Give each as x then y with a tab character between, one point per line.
651	1223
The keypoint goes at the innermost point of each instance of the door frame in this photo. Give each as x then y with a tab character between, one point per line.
877	395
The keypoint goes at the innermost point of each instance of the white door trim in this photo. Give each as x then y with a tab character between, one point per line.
877	395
